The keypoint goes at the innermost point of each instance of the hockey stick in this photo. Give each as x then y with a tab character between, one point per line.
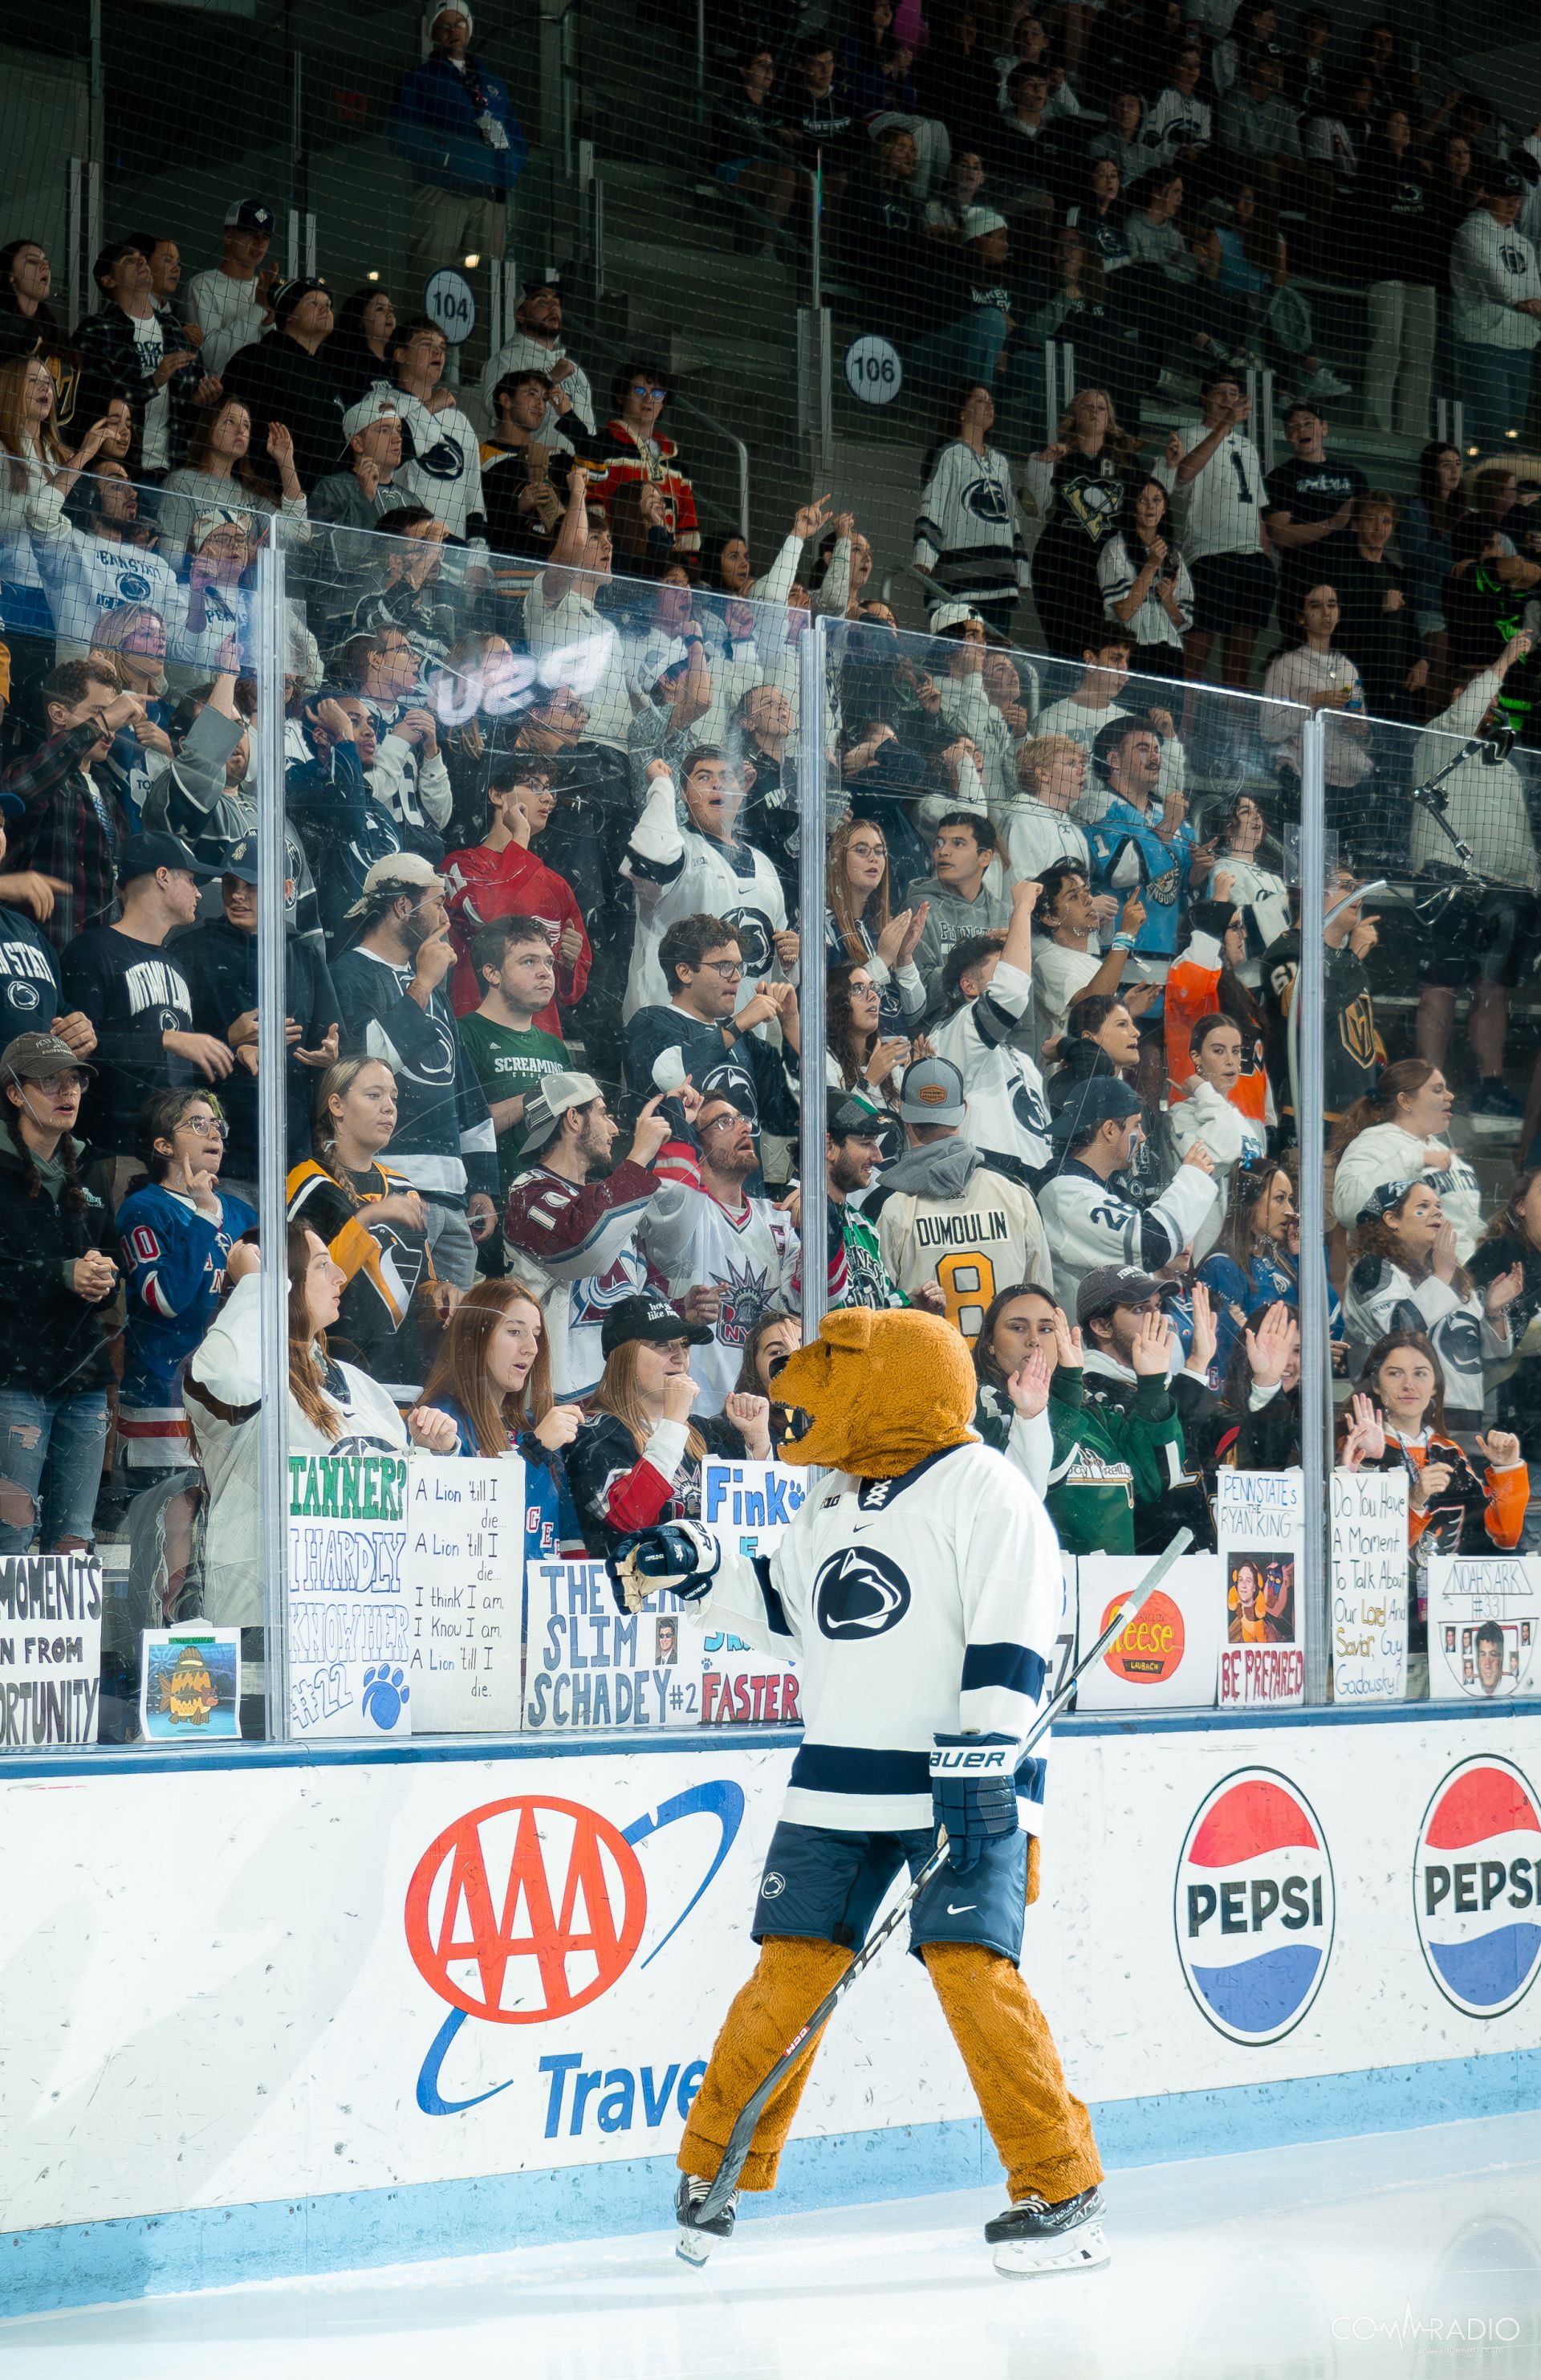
741	2138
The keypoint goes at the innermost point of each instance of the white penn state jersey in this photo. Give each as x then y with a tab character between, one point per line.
443	470
1008	1114
916	1607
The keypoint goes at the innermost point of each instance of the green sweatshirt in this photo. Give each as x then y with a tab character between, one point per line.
1104	1460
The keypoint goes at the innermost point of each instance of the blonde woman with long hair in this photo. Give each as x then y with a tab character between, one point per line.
637	1459
37	473
327	1401
858	924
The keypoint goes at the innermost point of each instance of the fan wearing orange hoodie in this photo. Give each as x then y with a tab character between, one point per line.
1204	981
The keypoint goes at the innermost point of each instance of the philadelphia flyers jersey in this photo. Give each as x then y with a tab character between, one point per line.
920	1606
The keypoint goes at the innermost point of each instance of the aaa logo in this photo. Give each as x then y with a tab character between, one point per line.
524	1911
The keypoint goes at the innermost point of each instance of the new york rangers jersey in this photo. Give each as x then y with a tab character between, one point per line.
173	1260
920	1606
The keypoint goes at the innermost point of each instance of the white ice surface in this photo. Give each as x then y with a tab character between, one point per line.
1408	2254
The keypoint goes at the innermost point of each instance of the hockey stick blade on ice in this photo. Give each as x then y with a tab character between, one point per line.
741	2138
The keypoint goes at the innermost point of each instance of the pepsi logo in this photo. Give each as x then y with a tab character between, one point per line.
1255	1906
1476	1885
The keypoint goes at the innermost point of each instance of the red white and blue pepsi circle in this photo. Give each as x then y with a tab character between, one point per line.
1476	1885
1255	1906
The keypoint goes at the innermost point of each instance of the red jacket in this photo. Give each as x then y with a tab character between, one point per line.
481	885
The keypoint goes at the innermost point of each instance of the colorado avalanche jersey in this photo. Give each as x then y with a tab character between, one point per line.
920	1606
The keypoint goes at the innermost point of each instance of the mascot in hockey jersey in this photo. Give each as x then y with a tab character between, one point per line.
919	1589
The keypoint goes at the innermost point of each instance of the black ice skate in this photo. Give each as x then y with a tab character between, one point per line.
697	2241
1033	2237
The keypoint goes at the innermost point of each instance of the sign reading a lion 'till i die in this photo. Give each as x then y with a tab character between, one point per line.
465	1591
349	1630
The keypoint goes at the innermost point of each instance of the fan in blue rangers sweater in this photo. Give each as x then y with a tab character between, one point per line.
177	1229
919	1588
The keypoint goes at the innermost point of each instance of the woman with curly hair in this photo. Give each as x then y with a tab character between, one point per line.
858	1054
1144	581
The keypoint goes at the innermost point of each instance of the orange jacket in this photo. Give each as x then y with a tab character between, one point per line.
1192	990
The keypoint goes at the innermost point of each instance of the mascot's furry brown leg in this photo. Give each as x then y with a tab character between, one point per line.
786	1986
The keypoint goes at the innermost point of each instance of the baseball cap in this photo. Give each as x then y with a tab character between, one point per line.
248	214
645	1318
931	1092
1113	1285
545	1108
1382	1198
408	871
952	615
1501	181
847	1116
241	860
1101	1099
659	657
548	278
980	222
33	1057
143	854
372	407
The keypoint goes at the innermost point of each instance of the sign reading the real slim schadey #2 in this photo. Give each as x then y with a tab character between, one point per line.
589	1664
349	1627
1260	1526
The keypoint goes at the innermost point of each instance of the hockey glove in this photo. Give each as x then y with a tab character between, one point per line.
677	1558
972	1793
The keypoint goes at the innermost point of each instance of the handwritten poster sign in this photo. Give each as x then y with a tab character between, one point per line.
1169	1651
750	1506
190	1684
1367	1565
1484	1615
49	1649
464	1593
349	1630
1260	1525
587	1665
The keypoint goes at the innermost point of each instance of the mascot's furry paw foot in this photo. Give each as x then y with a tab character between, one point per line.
1033	2237
695	2242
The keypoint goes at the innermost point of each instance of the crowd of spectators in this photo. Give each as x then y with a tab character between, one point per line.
545	1071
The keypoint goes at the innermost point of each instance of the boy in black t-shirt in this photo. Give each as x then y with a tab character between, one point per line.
138	996
1310	507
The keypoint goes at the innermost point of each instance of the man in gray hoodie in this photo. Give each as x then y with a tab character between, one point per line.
945	1215
958	894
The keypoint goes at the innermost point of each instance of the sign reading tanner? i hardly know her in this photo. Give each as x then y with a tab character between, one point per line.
349	1632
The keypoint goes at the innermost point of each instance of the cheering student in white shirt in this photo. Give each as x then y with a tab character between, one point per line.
1214	473
1066	962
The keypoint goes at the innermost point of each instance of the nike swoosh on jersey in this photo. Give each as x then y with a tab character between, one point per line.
962	1908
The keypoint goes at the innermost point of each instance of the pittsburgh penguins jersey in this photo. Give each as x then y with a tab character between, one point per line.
969	533
986	1237
173	1260
441	464
920	1606
1008	1114
679	872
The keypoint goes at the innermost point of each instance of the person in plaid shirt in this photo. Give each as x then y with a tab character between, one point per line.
72	819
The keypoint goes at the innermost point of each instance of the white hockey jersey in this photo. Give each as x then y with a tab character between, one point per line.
692	1239
985	1239
87	576
1090	1224
1493	269
915	1607
1003	1089
442	465
679	872
969	533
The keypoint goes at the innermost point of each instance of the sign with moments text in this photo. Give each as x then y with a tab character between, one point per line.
351	1634
49	1649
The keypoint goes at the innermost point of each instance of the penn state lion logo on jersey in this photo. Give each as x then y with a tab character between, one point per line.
985	501
859	1593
